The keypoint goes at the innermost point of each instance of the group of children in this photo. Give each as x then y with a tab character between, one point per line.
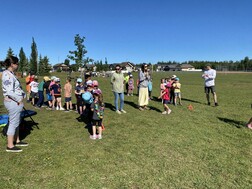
170	92
88	96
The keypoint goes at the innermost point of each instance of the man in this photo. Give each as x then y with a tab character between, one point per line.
209	76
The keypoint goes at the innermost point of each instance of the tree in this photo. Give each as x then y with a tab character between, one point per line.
44	66
34	57
67	62
10	53
23	62
79	54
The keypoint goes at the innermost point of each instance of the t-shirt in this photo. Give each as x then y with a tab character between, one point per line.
56	88
41	86
176	87
166	96
78	89
68	90
98	111
131	83
209	76
46	86
34	86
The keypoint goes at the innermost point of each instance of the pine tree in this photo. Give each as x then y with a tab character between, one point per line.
23	63
34	57
44	66
10	53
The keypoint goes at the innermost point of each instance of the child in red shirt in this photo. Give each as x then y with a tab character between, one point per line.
165	95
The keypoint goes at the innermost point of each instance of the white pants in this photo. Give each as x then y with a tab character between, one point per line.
143	98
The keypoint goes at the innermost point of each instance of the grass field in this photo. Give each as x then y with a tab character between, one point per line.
208	147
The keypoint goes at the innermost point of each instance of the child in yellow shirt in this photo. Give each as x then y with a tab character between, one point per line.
177	92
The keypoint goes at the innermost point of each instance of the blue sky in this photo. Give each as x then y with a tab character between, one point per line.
129	30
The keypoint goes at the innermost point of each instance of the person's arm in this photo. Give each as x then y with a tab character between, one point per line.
112	79
8	87
212	75
141	76
162	94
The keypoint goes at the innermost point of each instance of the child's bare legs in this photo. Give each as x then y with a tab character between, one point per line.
175	100
33	101
167	109
70	105
81	109
67	105
100	132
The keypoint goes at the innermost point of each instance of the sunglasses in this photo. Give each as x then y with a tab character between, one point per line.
117	68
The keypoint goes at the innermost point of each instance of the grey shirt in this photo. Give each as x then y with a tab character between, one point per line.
11	86
143	79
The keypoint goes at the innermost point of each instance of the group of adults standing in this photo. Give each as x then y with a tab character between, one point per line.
117	81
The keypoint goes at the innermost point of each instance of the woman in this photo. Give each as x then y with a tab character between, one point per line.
117	81
13	101
143	78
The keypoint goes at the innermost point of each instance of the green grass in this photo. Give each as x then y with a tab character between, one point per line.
208	147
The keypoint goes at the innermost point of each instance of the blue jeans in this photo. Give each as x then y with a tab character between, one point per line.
121	95
41	99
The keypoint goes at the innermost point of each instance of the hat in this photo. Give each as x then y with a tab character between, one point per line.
89	83
173	76
176	79
79	80
46	78
97	91
57	79
87	97
95	83
53	77
131	75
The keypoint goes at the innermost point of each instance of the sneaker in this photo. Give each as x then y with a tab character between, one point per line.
49	108
117	111
66	110
208	103
93	137
123	111
169	111
21	144
57	108
216	104
99	137
141	109
131	94
13	149
146	108
165	112
61	108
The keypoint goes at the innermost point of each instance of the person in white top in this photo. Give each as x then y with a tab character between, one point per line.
34	89
209	76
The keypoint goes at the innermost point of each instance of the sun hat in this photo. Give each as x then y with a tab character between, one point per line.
87	97
176	79
89	83
53	77
57	79
173	76
97	91
95	83
79	80
46	78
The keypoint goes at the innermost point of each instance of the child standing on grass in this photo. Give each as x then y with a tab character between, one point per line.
177	92
68	94
130	85
34	89
97	107
79	89
166	98
56	88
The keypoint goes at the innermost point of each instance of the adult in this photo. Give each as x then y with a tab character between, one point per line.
117	81
28	80
13	102
143	77
209	76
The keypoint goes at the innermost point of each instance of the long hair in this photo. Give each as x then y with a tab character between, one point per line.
100	98
10	60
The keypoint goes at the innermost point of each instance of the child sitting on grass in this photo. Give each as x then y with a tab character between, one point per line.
97	107
166	98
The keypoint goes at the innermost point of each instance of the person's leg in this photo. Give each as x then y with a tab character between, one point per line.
71	105
249	124
146	97
215	98
100	132
116	100
175	99
121	95
141	97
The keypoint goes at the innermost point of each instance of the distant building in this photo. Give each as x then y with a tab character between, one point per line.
168	67
187	67
61	67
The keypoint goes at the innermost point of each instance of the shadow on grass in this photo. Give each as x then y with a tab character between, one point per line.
25	128
86	118
136	106
189	100
237	124
110	106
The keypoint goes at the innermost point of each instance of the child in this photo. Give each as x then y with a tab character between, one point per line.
166	97
130	85
41	93
53	79
150	88
97	107
177	93
34	89
79	89
56	88
96	87
48	93
68	94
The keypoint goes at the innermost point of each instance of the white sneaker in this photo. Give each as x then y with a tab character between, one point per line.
99	137
61	108
169	111
93	137
57	108
123	111
165	112
117	111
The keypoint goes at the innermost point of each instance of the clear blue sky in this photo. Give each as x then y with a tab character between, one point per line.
129	30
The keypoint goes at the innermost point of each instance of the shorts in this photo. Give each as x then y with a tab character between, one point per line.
57	96
80	102
34	95
97	123
208	89
68	99
166	101
49	97
178	94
